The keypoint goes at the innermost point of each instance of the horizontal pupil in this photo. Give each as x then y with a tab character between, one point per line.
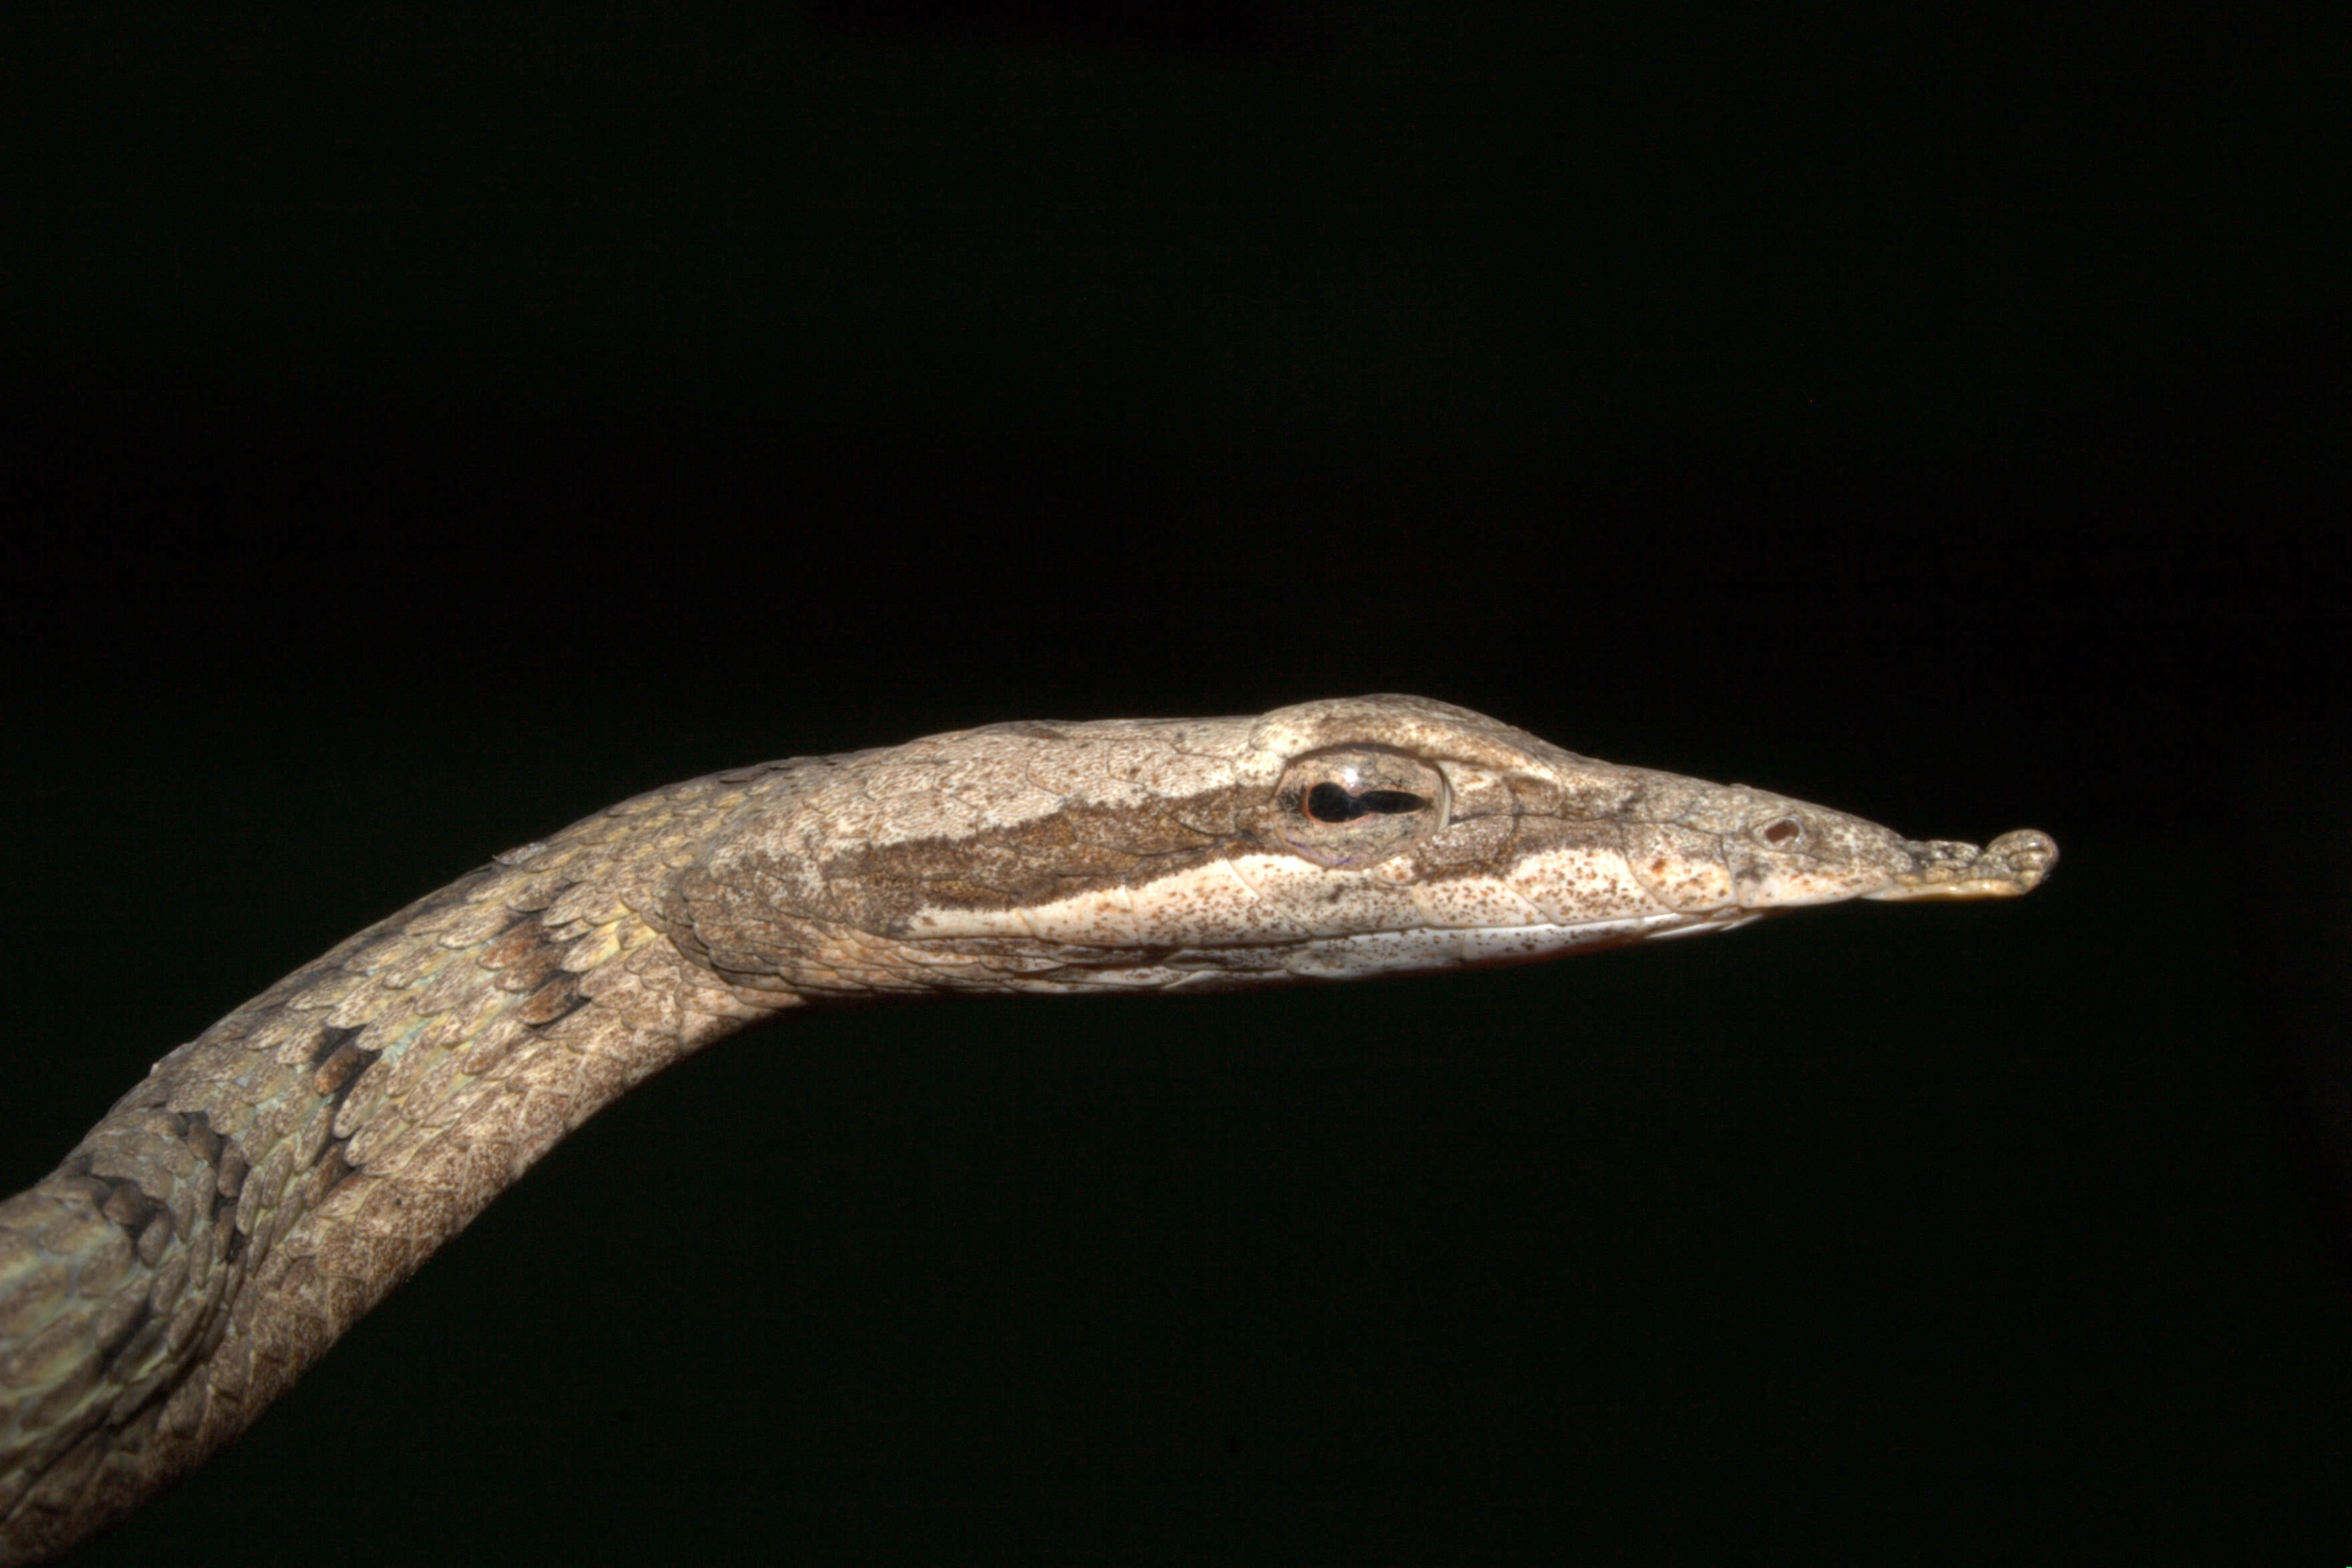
1389	802
1333	803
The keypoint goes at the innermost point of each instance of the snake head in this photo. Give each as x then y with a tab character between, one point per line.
1358	836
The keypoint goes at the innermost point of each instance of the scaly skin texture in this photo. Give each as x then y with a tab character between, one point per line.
273	1179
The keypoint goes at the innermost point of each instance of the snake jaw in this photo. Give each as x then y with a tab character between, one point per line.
2012	864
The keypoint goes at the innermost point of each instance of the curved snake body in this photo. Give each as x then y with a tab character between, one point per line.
270	1180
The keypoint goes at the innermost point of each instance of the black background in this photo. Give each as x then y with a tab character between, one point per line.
425	425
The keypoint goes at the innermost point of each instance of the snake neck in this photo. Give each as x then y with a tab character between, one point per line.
269	1182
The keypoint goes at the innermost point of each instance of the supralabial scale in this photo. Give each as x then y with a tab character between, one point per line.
269	1181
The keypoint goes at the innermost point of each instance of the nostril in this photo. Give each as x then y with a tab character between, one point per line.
1785	830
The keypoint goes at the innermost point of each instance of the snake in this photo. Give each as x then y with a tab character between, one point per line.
270	1180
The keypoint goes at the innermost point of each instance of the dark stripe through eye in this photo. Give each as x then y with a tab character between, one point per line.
1333	803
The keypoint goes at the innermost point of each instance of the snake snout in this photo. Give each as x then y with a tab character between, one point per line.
2013	864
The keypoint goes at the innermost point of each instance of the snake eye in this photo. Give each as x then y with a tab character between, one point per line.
1781	832
1354	805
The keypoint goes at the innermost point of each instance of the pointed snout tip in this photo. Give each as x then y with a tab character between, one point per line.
2011	866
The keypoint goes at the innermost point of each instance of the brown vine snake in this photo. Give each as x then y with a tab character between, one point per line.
270	1180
